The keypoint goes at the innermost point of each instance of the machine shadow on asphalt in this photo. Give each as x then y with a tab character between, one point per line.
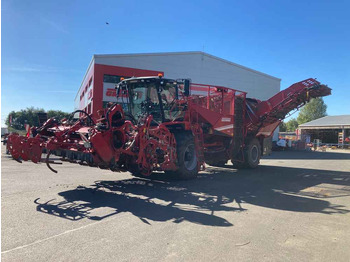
204	200
310	155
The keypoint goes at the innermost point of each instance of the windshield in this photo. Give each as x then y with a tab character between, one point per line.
152	96
168	97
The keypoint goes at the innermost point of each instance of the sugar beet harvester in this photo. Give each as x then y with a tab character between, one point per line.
156	125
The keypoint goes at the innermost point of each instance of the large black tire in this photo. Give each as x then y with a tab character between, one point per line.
186	156
252	153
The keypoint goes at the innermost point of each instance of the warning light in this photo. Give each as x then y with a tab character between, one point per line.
160	75
122	78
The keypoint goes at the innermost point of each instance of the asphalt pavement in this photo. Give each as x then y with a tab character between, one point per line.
294	207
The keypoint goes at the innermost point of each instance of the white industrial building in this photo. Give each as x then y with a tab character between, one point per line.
104	71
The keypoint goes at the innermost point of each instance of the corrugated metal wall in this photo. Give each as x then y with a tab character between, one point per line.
202	69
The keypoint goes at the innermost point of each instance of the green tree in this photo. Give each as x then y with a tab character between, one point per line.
58	114
315	109
292	125
283	127
30	116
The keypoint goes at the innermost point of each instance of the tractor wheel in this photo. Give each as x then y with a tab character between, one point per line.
252	153
186	157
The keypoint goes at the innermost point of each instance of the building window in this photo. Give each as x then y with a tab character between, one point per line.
111	79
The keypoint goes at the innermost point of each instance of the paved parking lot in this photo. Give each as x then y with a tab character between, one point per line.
294	207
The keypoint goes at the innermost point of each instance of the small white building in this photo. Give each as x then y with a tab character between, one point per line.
329	129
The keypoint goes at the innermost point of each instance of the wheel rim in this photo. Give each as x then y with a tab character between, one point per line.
190	158
254	153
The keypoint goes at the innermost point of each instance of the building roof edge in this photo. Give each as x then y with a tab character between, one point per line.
187	53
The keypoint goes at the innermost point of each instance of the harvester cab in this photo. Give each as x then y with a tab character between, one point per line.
156	96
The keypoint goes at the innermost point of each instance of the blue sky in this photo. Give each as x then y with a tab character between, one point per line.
47	45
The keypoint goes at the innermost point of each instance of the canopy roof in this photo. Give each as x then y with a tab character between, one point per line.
328	122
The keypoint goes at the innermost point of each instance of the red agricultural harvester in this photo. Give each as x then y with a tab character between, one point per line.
156	125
